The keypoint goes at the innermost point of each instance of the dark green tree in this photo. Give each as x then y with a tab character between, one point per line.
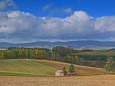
71	68
64	71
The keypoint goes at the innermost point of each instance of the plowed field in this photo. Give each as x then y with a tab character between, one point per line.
98	80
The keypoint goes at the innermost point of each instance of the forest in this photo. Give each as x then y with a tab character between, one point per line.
87	57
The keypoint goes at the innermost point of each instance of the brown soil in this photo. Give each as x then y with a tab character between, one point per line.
98	80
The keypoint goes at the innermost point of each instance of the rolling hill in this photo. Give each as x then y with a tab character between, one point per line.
41	67
25	66
81	70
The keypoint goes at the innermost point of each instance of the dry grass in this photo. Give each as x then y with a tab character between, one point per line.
99	80
81	70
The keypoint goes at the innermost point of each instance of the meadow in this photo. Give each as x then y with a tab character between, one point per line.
25	67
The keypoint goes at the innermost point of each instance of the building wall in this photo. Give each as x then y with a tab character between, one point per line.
59	74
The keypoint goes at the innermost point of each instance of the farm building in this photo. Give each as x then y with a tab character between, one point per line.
59	73
71	73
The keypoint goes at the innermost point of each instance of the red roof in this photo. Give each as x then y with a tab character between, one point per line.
59	71
73	73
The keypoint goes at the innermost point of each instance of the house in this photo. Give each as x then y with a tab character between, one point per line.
59	73
71	73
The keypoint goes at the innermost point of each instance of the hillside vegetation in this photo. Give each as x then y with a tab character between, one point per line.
85	57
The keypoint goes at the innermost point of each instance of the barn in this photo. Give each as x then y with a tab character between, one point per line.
59	73
71	73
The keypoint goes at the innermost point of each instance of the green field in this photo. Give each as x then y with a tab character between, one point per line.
25	67
20	74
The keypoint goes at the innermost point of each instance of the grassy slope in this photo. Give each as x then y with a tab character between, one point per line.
40	68
81	70
21	67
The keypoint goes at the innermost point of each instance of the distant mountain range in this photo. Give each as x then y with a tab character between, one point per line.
75	44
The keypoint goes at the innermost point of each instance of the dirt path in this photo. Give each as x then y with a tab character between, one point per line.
102	80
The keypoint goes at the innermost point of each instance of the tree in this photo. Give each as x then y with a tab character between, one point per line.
71	68
76	60
63	51
64	71
110	65
67	59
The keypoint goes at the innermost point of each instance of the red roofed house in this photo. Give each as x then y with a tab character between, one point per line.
59	73
71	73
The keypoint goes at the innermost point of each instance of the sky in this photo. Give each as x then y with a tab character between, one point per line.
56	20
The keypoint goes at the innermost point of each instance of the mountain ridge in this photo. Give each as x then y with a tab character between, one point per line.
75	44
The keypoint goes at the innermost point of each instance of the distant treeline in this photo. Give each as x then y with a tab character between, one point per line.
58	53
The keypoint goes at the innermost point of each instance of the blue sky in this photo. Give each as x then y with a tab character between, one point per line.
95	8
57	20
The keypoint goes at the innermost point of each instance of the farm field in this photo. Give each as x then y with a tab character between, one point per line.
81	70
24	66
97	80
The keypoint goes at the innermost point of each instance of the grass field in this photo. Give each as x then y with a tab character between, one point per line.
21	74
25	67
81	70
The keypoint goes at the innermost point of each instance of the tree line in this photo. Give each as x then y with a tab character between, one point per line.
58	53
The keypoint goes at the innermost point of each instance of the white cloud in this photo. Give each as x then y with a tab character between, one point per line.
104	24
6	3
46	7
17	26
68	10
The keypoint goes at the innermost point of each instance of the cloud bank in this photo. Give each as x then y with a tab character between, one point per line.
17	26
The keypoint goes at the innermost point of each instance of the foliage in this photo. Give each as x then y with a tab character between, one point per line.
72	59
64	70
59	53
63	51
71	68
25	53
93	57
110	65
1	55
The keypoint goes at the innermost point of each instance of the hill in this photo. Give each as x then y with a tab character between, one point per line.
81	70
41	67
23	66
